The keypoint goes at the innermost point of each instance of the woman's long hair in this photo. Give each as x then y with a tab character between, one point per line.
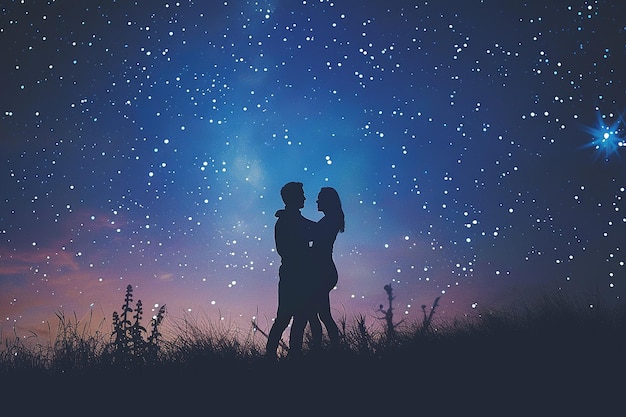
333	203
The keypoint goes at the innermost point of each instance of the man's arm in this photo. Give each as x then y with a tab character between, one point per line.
284	239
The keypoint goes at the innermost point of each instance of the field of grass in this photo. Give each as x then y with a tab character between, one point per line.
555	357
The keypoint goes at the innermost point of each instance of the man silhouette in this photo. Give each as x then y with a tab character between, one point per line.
292	235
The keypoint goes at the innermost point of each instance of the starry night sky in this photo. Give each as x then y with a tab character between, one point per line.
475	146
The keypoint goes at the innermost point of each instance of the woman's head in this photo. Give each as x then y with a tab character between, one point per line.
328	201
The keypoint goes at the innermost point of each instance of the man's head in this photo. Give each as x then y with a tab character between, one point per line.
293	195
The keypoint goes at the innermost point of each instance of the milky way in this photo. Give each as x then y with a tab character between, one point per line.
476	147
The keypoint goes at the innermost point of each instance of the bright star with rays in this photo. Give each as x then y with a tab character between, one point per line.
607	139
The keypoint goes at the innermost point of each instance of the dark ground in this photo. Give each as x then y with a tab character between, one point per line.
459	382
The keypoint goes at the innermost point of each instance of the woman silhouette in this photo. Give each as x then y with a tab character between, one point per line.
325	234
322	276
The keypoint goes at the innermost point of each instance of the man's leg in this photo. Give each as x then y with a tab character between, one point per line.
280	324
297	334
316	332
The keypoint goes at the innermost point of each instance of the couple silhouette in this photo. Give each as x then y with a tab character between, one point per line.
307	271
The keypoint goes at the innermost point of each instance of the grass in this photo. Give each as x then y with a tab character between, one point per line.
554	357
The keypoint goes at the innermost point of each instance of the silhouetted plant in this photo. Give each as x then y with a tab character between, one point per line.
362	337
154	338
137	330
15	355
256	328
76	345
428	318
129	345
390	326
